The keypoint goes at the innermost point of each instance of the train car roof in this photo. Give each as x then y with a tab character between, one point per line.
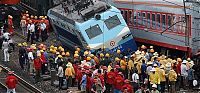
83	15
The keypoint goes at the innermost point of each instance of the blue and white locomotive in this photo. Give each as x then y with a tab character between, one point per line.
91	23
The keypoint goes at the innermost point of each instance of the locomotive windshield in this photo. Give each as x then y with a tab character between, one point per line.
112	22
93	31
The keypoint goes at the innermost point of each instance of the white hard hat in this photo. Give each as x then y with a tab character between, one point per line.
184	61
154	86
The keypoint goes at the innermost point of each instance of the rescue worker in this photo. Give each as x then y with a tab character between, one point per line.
11	82
154	89
5	47
60	75
83	82
154	77
110	81
118	83
184	73
178	71
32	32
127	87
29	30
31	58
172	80
10	24
44	35
69	73
135	79
22	54
37	31
162	78
37	65
23	25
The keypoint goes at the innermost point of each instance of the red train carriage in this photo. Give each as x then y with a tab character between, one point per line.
149	18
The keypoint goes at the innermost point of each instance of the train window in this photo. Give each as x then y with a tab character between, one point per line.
139	21
183	24
144	19
93	31
135	18
112	22
125	16
163	22
122	12
169	18
130	17
153	21
158	20
148	20
174	21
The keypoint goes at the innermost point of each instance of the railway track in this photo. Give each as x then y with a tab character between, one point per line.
22	86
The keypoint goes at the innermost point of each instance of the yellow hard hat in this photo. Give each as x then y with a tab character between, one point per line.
51	47
51	50
151	50
20	44
63	53
117	59
36	17
62	50
45	17
55	48
67	54
101	55
41	51
86	53
76	52
143	47
88	58
118	51
54	51
179	60
91	55
76	55
59	56
78	49
107	55
26	11
39	55
24	44
60	47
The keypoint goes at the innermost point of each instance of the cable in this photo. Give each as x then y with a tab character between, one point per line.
180	5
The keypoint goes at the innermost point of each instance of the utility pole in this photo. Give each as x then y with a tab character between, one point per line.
187	33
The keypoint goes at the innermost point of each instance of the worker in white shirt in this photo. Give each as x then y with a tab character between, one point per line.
32	30
5	47
28	31
6	35
44	35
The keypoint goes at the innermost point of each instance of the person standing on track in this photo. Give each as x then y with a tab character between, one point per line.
10	24
11	82
5	47
44	35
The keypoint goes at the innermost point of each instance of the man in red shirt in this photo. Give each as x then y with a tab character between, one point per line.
89	81
118	83
11	82
79	76
127	87
178	71
110	81
37	65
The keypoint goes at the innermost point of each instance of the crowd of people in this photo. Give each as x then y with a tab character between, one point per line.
144	71
34	27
